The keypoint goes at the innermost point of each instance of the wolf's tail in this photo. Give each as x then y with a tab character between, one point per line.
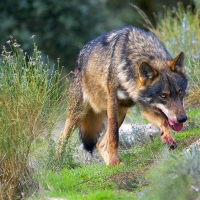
90	129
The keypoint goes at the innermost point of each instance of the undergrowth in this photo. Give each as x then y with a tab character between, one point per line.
51	161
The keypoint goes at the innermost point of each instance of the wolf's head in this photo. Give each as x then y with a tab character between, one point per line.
163	90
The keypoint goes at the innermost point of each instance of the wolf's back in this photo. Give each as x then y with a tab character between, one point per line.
129	43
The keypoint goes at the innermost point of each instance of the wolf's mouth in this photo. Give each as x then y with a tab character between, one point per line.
175	126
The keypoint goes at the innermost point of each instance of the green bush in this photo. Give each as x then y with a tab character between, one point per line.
30	104
56	162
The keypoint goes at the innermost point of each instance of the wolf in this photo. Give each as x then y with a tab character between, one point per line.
114	72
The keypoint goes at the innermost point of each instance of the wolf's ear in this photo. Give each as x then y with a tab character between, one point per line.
146	72
177	64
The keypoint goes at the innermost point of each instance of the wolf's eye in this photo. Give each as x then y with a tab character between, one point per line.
180	92
163	96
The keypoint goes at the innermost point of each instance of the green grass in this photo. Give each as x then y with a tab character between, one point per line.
83	182
103	195
97	181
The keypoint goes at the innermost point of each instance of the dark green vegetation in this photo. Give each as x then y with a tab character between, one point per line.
31	103
62	28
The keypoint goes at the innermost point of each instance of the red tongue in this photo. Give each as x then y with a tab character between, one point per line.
177	127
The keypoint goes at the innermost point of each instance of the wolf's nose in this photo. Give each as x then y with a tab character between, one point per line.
181	118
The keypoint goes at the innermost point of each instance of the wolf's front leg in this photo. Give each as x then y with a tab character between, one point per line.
108	143
160	121
110	155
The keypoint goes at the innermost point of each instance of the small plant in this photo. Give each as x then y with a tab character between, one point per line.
53	161
180	177
31	102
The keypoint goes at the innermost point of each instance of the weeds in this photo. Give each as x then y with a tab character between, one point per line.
82	182
30	104
51	161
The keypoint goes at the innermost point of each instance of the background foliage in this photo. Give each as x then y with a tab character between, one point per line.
63	27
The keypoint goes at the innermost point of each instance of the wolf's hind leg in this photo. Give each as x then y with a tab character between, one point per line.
70	125
160	121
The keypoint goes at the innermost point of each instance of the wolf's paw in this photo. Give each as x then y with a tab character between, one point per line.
114	160
115	163
173	145
169	141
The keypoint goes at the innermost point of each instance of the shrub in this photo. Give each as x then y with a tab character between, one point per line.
31	102
180	177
